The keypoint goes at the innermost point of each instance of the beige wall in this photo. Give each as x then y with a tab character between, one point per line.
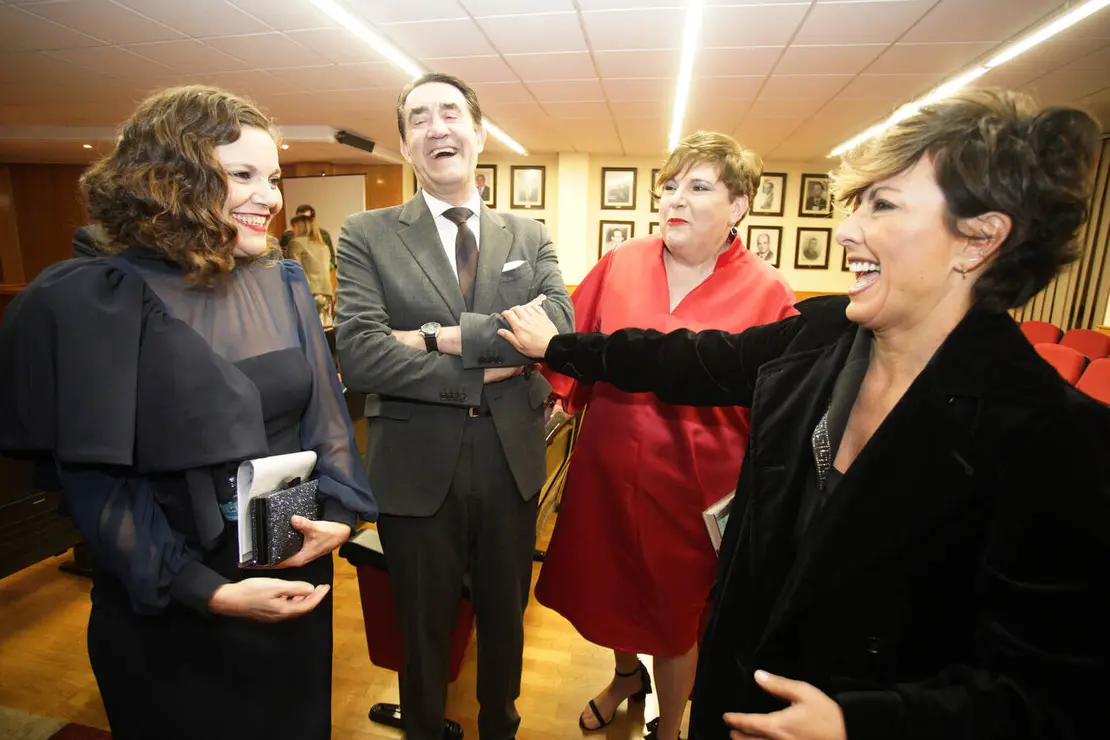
580	213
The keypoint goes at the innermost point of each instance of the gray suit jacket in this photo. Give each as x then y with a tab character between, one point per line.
393	274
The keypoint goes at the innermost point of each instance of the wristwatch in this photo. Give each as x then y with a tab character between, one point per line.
430	331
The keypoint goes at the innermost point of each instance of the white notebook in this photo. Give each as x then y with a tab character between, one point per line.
264	475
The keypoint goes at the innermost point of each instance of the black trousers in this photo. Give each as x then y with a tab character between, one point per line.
486	529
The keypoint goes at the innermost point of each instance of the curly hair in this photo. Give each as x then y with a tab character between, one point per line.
740	168
162	186
993	151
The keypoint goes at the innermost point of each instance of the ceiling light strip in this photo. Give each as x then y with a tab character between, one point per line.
948	88
398	58
685	70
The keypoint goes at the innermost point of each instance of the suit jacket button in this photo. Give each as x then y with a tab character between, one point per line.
462	396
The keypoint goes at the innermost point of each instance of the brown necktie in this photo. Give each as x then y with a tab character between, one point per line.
466	252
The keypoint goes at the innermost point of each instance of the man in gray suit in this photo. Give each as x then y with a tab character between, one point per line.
455	416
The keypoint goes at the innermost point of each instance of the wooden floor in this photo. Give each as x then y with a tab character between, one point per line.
44	666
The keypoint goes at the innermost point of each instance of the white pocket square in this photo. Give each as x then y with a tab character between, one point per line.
512	265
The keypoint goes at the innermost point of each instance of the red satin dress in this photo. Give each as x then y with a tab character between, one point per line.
630	562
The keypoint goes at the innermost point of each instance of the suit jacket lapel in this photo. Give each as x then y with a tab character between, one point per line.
419	234
492	251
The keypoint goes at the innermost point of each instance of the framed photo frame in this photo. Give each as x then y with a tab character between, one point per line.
653	184
770	196
541	220
529	185
815	200
844	260
485	179
811	251
618	188
653	227
765	242
611	234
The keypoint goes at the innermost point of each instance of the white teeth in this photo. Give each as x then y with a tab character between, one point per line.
249	219
856	266
443	150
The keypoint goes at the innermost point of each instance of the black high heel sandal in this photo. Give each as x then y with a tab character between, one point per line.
645	689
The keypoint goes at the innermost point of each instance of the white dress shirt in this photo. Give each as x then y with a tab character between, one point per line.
447	228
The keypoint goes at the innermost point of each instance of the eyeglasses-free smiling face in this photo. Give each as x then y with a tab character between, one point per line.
442	140
253	197
696	211
909	265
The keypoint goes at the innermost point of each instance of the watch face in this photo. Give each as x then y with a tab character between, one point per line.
430	328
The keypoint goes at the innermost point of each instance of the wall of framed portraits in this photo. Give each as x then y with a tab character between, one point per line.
526	186
792	225
607	200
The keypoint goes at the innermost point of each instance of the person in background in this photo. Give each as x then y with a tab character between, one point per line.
920	545
483	188
171	361
631	563
455	424
308	248
309	212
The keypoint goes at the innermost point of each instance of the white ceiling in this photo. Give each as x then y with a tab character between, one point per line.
789	78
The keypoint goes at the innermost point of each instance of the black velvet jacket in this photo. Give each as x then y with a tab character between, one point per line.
955	584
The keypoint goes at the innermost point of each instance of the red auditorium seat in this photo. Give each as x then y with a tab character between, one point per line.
1091	344
1067	361
1041	332
1096	380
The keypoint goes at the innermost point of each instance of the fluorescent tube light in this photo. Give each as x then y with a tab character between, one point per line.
399	59
686	70
948	88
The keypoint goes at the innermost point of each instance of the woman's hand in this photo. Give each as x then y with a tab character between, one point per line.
812	715
266	599
320	538
531	329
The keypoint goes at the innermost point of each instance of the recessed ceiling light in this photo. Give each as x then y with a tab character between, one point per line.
284	146
86	146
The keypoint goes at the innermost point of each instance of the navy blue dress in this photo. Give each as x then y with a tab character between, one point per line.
141	394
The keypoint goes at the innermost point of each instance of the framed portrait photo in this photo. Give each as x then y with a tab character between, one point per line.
654	185
618	188
765	242
653	227
485	179
816	198
770	195
844	260
528	186
811	252
611	234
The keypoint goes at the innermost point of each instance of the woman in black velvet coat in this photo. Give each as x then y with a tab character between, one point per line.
920	544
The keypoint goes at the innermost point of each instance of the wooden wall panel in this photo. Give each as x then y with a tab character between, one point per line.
11	259
48	210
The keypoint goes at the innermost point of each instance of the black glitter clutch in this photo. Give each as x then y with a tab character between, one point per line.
274	537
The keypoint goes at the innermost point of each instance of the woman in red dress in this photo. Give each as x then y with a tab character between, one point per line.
631	563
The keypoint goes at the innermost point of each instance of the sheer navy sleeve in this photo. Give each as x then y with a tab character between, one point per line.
326	426
130	537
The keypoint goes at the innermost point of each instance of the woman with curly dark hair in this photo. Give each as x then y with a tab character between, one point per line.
919	544
143	379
